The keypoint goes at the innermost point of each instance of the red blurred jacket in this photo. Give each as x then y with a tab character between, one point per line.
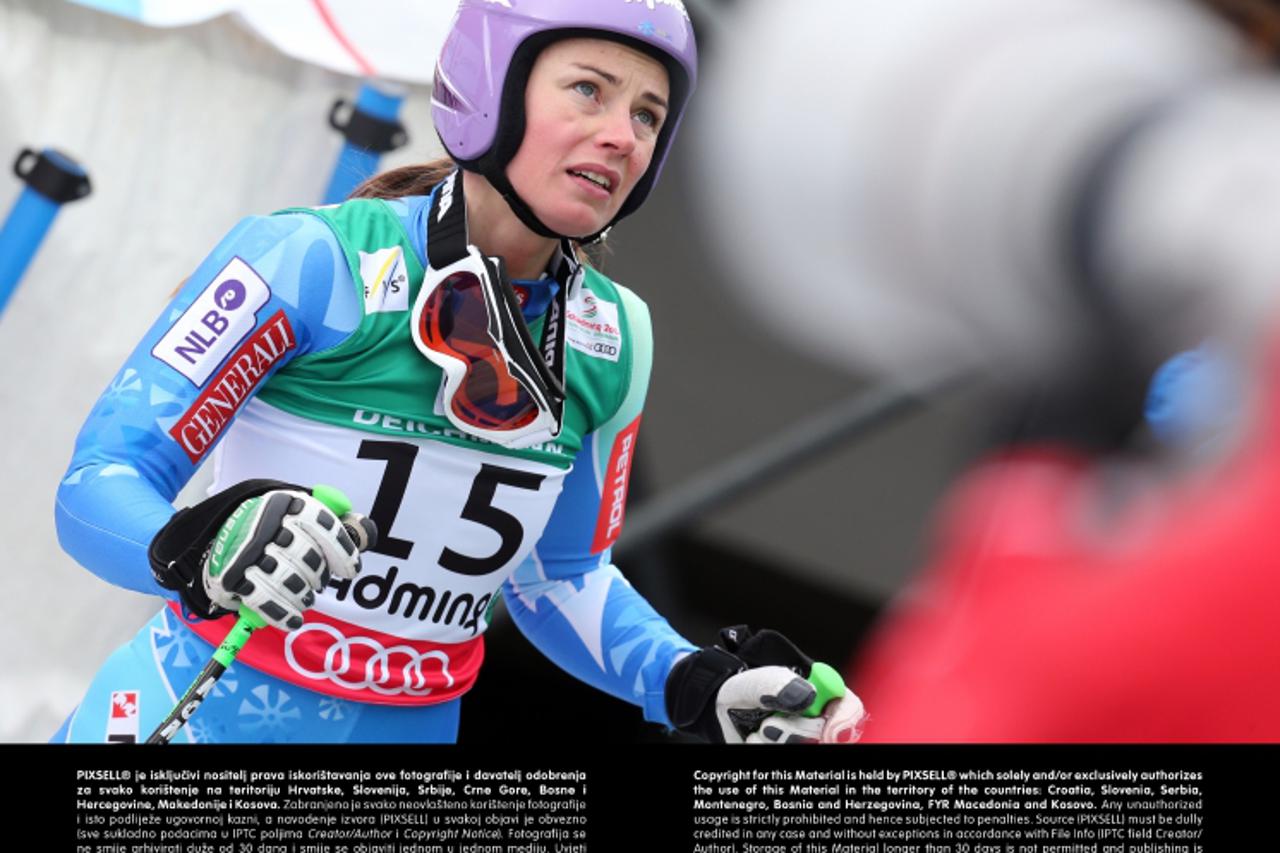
1055	610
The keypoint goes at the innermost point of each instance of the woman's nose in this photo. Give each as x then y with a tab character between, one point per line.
616	131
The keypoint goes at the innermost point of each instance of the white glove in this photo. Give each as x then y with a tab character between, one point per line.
767	701
275	552
843	719
750	690
747	702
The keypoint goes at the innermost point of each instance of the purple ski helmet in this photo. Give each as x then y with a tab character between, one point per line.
477	100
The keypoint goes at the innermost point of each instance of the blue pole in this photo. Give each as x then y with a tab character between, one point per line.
371	128
52	179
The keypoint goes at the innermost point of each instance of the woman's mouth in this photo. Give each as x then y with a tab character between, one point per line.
596	182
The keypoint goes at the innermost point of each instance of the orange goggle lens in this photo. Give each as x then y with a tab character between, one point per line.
455	322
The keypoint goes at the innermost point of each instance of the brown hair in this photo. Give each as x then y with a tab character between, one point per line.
418	179
421	179
1259	20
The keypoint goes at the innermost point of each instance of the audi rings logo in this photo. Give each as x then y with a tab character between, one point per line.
362	663
606	349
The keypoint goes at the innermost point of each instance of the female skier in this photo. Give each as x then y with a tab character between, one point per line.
438	352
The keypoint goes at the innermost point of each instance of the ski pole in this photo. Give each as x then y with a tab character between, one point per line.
248	621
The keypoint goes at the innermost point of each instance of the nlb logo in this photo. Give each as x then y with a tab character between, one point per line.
230	295
201	424
214	323
363	663
614	499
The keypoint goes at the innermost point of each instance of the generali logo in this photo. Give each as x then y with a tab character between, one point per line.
200	426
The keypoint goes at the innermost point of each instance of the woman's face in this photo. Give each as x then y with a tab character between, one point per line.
593	112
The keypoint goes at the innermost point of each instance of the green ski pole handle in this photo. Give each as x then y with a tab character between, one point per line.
247	622
829	685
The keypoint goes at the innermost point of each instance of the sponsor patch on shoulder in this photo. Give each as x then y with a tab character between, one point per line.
122	720
216	321
385	279
617	477
201	424
593	327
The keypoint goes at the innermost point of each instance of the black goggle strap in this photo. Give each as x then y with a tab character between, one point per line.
447	224
447	243
568	273
515	337
551	357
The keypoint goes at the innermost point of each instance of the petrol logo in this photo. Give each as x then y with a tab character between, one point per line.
613	498
215	323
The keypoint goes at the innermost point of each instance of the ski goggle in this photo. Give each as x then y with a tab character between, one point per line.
497	385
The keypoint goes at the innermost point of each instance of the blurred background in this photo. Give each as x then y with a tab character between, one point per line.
796	440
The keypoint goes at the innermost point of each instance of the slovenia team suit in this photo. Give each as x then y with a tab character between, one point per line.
288	355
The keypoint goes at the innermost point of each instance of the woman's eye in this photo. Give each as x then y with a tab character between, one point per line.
586	88
646	118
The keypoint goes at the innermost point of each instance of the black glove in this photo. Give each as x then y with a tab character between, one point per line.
724	693
262	544
178	551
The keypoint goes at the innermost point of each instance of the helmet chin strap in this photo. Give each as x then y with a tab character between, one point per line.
530	219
